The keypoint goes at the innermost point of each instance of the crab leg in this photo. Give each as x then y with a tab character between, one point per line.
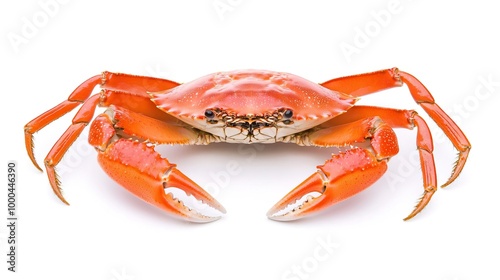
350	172
136	166
115	88
363	84
79	95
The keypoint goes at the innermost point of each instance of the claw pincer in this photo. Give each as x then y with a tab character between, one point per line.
341	177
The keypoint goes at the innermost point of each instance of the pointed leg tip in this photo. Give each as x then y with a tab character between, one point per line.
58	193
446	184
422	202
64	200
453	177
457	167
30	147
408	217
55	183
33	160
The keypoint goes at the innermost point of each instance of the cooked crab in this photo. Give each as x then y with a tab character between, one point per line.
247	106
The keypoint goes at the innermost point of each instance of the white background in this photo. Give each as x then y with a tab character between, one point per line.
108	234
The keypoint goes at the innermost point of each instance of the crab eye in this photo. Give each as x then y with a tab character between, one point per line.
209	114
288	114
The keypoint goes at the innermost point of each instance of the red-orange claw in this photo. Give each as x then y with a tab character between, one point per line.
141	170
341	177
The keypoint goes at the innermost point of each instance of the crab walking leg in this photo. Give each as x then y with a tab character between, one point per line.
363	84
79	95
62	145
140	169
118	85
349	173
133	92
115	86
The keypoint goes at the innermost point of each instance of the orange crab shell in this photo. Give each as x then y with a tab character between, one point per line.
253	92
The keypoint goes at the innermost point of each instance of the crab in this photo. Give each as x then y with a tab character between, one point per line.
247	106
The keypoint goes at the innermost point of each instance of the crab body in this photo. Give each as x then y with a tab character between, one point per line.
252	106
247	106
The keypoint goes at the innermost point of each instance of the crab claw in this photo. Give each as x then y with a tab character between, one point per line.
341	177
142	171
